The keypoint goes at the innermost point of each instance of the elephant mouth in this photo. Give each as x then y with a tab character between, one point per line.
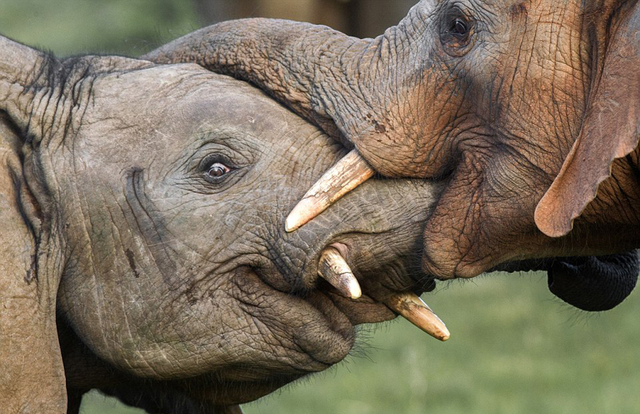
336	302
333	268
320	321
350	172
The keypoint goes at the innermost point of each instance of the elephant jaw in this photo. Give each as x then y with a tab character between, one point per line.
312	326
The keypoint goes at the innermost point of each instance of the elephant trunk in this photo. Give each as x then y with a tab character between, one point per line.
349	87
589	283
594	283
293	61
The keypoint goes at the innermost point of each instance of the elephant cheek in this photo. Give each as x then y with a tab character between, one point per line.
447	252
452	239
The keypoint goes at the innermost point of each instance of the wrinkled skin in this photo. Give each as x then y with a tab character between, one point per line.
490	96
175	291
211	260
145	208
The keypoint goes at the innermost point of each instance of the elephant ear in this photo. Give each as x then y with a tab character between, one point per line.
31	375
32	378
610	130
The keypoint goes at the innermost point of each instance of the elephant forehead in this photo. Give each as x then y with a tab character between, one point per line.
171	107
174	91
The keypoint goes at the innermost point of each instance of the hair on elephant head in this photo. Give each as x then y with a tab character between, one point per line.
144	206
506	100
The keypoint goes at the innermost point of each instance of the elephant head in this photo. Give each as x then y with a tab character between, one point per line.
506	100
144	206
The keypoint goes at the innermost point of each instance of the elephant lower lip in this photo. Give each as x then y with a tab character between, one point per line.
310	323
336	321
362	310
339	315
319	319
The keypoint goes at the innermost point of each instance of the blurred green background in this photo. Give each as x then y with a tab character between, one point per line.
514	347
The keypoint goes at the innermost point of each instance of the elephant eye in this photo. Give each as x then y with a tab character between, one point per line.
215	169
456	33
459	28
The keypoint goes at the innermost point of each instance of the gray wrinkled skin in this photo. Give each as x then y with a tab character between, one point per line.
183	277
491	97
157	197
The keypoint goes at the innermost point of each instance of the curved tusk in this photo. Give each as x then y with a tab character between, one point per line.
334	269
351	171
413	309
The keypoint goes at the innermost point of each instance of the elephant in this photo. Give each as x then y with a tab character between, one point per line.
143	244
144	250
528	110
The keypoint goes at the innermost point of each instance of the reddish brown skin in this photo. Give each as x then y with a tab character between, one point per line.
495	113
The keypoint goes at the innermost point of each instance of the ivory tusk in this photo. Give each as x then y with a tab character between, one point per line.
351	171
334	269
413	309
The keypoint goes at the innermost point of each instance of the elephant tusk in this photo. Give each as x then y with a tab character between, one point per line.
334	269
351	171
413	309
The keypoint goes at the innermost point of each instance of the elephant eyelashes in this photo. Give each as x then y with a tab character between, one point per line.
456	33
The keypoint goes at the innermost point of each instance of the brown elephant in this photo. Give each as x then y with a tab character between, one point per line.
525	108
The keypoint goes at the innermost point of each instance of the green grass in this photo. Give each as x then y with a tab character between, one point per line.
514	349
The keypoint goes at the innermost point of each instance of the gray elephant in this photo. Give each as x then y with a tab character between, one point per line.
143	244
144	250
529	110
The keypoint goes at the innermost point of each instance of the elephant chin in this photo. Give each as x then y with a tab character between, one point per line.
589	283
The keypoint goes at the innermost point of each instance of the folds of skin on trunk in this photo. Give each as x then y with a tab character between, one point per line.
281	50
292	61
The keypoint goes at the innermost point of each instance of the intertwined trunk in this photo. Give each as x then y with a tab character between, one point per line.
350	87
276	56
